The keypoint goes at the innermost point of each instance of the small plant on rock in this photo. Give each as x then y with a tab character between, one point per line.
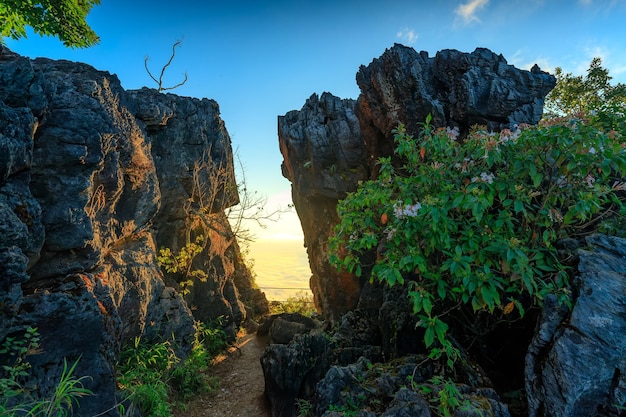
301	303
153	377
16	400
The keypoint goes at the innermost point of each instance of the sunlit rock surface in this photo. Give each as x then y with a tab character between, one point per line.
93	181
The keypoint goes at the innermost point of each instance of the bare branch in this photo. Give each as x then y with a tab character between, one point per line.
169	62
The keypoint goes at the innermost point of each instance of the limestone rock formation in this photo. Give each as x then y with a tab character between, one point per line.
457	89
576	364
386	390
93	181
324	158
331	144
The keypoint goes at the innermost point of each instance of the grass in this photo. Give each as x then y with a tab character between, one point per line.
15	400
155	379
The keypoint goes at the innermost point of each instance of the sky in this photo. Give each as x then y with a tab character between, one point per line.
261	59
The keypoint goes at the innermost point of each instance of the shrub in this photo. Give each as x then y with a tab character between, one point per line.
153	377
476	223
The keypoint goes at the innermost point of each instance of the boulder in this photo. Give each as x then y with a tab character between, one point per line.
292	370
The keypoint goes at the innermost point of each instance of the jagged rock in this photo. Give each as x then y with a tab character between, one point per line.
93	180
455	88
324	158
388	390
292	370
576	365
331	144
407	403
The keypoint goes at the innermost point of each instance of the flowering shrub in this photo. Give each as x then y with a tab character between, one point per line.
476	222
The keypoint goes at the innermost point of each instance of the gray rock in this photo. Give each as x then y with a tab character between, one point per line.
576	364
388	388
324	158
93	180
292	370
407	403
282	328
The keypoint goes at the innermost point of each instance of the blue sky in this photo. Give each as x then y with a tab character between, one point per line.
259	59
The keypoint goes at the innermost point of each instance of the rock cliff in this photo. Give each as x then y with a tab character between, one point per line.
553	362
331	144
93	181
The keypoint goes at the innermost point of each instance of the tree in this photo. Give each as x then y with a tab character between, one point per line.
62	18
590	95
472	228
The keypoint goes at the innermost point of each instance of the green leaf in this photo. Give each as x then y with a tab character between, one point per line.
429	336
427	305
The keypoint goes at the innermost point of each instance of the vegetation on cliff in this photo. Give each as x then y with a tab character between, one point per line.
473	226
17	399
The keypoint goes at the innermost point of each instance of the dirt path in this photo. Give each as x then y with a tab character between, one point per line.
240	393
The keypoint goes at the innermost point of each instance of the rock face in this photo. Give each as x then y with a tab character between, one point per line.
331	144
324	158
93	181
576	364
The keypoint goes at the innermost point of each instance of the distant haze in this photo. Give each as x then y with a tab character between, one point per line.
281	266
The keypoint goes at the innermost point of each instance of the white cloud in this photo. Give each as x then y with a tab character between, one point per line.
408	36
523	62
467	11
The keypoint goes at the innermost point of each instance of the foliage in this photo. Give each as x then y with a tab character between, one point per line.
213	187
159	81
350	409
305	408
301	303
17	349
591	95
142	376
476	223
445	395
67	392
181	262
153	376
65	395
62	18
